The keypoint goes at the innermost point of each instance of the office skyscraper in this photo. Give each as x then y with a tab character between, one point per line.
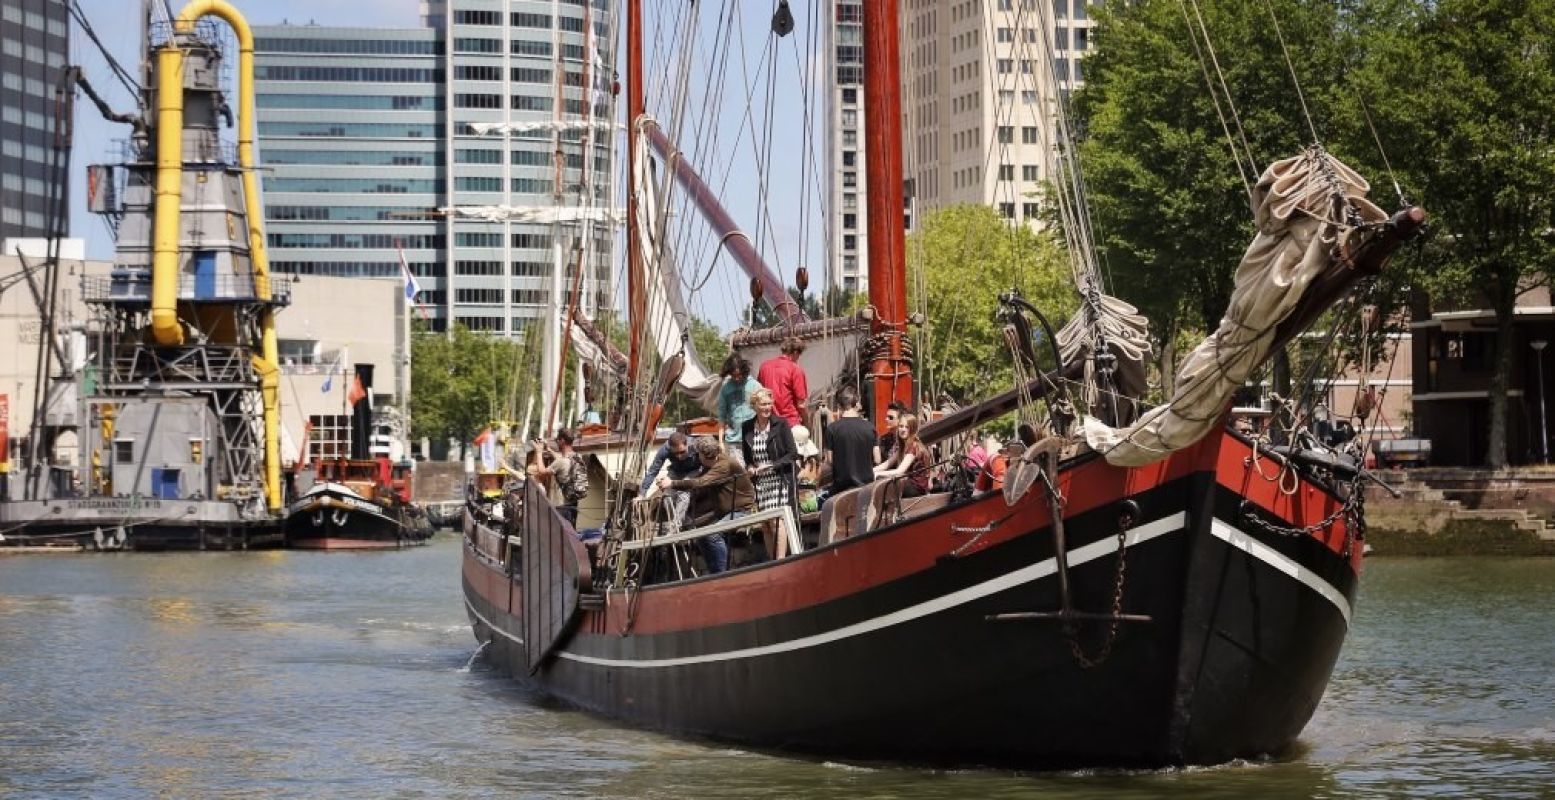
34	47
456	142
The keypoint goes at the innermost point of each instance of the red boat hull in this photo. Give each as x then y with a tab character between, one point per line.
881	646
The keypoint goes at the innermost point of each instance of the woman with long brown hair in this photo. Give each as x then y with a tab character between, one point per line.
910	458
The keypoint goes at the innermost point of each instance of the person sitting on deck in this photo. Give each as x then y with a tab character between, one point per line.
721	490
682	463
910	458
850	444
885	446
786	379
991	478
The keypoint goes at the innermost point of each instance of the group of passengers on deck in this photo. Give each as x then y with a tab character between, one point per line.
763	457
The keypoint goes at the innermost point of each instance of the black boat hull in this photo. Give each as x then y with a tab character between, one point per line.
1245	627
343	520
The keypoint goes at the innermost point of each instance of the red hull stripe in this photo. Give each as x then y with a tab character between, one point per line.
1033	572
885	555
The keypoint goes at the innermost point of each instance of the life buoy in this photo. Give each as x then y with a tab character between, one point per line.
318	518
339	518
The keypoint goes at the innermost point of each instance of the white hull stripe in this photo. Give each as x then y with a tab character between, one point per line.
1283	563
1042	569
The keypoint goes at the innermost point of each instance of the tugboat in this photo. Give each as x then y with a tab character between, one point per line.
357	503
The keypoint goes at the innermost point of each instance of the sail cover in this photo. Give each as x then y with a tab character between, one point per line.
1300	225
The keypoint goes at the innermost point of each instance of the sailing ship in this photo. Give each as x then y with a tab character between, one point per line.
1148	589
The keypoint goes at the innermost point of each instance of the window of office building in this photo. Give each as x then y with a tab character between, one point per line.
477	101
531	75
527	20
526	47
486	296
471	155
1028	172
469	17
1028	134
477	72
539	241
464	44
477	239
477	267
477	183
480	323
1006	172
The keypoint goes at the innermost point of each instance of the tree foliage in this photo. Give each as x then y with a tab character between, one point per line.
961	260
462	381
1463	96
1169	206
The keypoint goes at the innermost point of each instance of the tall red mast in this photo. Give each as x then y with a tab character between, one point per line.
635	309
890	367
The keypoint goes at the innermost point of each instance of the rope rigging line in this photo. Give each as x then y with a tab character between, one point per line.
1290	65
1236	116
1220	114
117	69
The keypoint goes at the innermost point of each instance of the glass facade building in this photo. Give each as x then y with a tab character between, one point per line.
34	47
351	141
382	139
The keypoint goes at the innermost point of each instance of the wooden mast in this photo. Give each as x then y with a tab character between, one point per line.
635	309
890	368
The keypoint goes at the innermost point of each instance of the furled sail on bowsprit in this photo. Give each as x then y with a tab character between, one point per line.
1306	208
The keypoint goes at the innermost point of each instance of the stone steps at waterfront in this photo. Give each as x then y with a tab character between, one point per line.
1430	498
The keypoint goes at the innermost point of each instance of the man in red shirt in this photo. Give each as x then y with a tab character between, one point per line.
786	380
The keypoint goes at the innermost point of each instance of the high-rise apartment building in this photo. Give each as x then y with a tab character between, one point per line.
457	142
981	81
982	86
34	47
847	218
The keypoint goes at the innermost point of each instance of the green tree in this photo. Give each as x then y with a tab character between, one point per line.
963	257
1463	96
462	381
1169	207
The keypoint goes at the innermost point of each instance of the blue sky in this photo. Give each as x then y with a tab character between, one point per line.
116	24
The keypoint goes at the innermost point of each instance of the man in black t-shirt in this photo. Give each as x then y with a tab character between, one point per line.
850	444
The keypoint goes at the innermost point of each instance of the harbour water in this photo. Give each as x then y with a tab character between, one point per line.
289	674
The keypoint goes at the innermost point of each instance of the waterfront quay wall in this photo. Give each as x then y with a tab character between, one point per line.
1463	511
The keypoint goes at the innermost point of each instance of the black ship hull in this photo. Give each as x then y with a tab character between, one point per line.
333	517
887	645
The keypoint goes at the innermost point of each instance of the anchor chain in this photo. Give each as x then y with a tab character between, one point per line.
1071	631
1352	510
